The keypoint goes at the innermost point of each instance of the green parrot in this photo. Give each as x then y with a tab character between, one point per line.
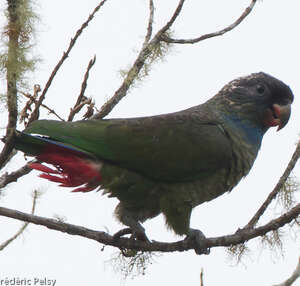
168	163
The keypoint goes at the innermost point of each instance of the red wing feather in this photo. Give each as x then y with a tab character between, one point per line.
72	169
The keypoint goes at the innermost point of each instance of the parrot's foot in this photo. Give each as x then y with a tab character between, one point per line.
197	237
136	234
129	218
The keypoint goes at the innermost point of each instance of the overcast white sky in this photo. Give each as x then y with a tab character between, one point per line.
267	41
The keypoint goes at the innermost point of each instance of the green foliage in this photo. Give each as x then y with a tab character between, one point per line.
273	240
237	252
131	263
286	195
17	41
157	52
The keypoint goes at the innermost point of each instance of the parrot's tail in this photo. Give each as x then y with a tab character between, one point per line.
71	166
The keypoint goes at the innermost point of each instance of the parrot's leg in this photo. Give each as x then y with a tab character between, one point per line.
177	214
128	218
197	236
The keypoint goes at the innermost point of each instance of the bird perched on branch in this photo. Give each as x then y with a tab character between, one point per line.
168	163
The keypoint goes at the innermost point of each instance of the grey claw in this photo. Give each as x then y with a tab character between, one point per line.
135	234
198	237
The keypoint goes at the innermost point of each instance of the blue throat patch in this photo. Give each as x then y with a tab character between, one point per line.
253	134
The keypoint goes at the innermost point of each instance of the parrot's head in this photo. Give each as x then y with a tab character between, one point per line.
260	99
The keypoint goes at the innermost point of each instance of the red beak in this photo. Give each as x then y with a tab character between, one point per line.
277	115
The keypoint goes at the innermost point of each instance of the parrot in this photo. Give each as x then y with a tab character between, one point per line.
167	163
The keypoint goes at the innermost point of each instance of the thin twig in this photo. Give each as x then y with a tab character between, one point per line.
295	275
246	12
241	236
21	230
90	110
34	114
82	100
172	20
201	277
277	188
6	178
133	72
51	111
24	114
150	23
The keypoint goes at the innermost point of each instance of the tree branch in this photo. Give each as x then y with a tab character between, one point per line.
171	21
21	230
150	23
246	12
11	78
35	112
132	74
240	236
82	100
6	178
148	47
33	99
201	277
295	275
277	188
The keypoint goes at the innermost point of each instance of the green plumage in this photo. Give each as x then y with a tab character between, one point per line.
151	146
153	164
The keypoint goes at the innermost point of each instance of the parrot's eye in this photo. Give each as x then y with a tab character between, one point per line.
260	89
